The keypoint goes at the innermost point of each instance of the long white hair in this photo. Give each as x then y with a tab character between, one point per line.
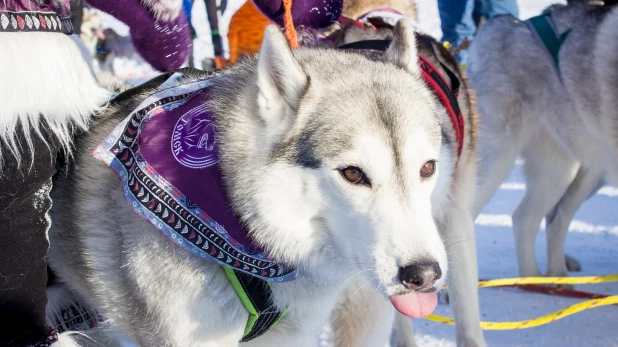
46	80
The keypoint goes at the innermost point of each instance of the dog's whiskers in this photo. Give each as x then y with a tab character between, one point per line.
361	287
464	240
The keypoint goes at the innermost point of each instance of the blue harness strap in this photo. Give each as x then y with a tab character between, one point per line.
545	31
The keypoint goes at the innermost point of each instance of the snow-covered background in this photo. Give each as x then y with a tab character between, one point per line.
592	238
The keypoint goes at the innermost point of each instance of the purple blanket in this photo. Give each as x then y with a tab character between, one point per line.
165	153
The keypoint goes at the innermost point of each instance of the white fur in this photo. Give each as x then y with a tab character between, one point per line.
279	90
403	49
46	77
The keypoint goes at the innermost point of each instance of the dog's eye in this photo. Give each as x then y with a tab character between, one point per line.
355	175
428	169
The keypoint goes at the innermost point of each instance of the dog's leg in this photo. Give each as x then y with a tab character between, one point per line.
403	334
496	154
548	171
585	184
363	317
463	277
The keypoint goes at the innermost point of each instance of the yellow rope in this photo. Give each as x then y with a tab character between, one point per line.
548	280
552	317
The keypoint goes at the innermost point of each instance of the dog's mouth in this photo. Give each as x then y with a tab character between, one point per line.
416	304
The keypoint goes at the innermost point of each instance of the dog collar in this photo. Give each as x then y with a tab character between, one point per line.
446	93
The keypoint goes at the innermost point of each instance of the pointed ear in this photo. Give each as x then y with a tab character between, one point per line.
281	81
402	50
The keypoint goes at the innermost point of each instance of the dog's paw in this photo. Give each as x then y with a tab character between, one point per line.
558	274
572	264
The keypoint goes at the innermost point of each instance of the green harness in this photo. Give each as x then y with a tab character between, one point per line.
256	295
545	30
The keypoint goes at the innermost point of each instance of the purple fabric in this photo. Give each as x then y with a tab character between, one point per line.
181	148
164	45
61	7
310	13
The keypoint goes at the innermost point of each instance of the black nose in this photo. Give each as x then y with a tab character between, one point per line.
420	276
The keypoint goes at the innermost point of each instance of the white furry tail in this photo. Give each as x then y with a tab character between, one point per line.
47	81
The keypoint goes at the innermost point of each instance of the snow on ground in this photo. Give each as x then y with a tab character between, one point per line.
593	236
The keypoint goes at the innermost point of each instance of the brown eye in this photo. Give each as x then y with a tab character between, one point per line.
428	168
355	175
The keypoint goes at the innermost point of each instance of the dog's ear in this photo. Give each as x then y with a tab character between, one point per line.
402	50
281	80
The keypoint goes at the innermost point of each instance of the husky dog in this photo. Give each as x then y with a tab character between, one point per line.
559	116
91	30
338	166
354	321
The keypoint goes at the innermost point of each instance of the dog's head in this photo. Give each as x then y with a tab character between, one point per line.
92	26
341	163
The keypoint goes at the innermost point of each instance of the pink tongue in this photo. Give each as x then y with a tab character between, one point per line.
415	305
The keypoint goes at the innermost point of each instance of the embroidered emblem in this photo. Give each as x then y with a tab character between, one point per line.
194	138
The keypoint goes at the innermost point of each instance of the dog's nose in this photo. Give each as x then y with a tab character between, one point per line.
420	276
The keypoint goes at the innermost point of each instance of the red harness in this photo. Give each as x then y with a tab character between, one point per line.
446	92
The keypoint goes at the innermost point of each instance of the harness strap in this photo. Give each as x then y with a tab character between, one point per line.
447	94
545	31
256	295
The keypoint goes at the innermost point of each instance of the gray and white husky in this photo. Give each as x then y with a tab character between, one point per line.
562	121
341	167
453	217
